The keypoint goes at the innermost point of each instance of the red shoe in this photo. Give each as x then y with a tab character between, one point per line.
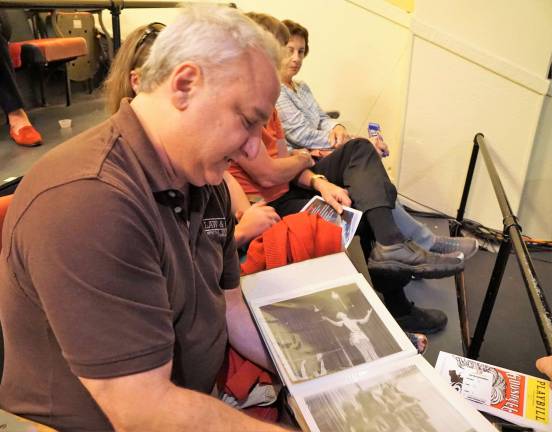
26	136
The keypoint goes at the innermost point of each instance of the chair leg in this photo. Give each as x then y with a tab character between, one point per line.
41	70
67	85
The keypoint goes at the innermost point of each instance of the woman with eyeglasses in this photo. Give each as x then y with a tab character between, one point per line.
123	82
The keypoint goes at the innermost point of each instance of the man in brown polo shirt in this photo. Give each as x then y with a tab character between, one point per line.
119	274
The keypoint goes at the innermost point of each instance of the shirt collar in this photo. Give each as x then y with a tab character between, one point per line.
133	134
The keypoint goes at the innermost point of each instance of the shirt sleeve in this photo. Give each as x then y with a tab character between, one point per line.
98	278
299	132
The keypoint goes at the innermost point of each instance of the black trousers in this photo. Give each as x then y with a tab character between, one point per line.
10	98
356	167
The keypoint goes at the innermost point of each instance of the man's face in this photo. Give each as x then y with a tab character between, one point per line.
223	119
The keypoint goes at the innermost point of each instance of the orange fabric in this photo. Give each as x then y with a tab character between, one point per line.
15	54
52	49
295	238
4	204
243	376
271	133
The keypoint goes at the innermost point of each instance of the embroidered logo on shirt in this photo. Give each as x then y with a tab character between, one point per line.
215	227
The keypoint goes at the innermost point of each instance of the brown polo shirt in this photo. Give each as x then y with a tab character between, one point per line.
106	271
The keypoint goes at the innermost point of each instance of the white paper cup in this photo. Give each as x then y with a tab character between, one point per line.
65	123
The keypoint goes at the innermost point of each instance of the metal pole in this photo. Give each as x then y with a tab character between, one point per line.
469	177
512	233
535	292
490	297
509	218
116	25
461	299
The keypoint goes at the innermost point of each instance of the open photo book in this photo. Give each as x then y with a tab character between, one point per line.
519	398
348	220
343	358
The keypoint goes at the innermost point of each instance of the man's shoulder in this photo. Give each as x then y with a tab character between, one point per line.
90	167
82	156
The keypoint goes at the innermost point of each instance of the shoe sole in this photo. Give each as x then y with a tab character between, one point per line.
424	271
425	331
36	144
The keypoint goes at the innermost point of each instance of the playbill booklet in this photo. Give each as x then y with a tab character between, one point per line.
345	361
519	398
348	220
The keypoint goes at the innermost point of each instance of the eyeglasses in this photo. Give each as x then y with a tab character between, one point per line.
152	29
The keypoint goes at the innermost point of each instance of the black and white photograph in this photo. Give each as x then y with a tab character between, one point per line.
401	401
328	331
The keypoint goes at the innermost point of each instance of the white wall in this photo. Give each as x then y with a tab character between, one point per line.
476	67
359	59
536	207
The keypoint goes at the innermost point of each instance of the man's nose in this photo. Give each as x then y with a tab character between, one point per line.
251	148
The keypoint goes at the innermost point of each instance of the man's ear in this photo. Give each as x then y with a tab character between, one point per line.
185	80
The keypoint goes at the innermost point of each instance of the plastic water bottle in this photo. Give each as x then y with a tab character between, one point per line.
374	134
374	130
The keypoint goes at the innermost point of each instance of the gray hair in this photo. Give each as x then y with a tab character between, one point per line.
209	36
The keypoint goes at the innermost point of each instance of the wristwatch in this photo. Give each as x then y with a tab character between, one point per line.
314	177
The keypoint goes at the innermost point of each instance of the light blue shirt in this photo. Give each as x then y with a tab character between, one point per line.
305	124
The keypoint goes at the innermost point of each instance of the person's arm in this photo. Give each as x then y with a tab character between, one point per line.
238	198
299	131
334	195
253	220
269	172
242	332
366	318
148	401
335	323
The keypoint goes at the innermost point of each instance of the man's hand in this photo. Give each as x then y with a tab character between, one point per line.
254	221
380	146
334	195
305	156
544	365
338	136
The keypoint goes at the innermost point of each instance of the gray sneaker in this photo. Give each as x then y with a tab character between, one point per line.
407	258
447	245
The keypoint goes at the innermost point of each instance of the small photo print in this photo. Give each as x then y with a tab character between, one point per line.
346	220
327	331
402	401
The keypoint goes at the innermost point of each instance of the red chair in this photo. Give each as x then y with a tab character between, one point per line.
4	204
42	53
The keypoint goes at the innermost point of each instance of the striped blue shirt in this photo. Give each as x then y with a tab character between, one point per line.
305	124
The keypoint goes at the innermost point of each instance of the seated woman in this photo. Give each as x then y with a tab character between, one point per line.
307	126
123	81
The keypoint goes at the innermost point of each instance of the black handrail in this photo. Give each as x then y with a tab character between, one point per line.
512	238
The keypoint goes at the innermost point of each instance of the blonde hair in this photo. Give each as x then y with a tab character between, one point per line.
208	35
131	56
